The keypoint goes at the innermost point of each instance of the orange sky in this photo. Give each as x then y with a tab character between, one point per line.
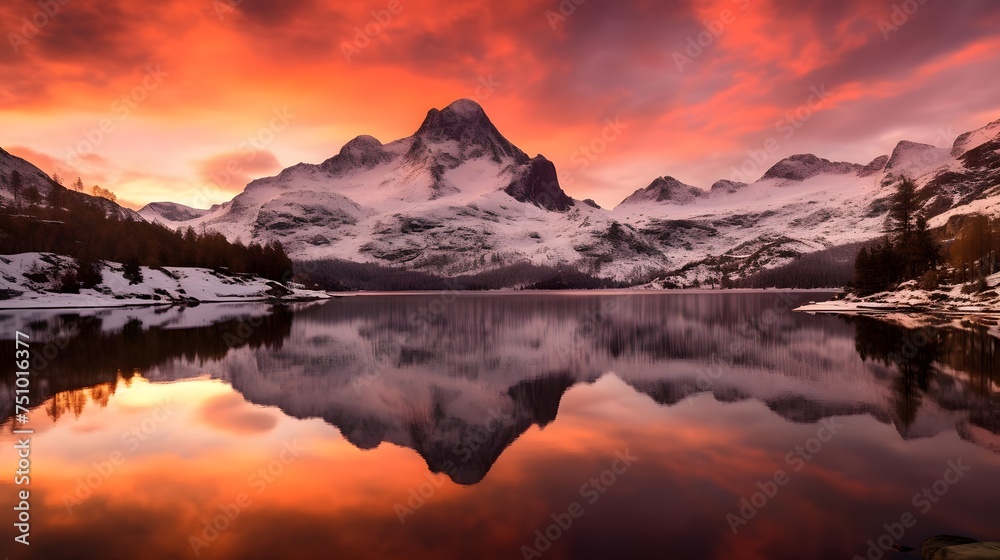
196	98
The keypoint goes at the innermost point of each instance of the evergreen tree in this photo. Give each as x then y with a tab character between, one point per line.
904	209
132	271
907	252
876	268
32	196
54	197
88	272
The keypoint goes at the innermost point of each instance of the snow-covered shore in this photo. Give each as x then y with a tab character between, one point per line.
29	281
914	308
948	300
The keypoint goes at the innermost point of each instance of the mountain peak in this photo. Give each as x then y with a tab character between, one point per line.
465	107
914	158
464	121
665	189
800	167
538	184
363	151
363	142
975	138
453	119
726	186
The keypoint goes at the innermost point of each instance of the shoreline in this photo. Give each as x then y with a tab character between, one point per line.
30	304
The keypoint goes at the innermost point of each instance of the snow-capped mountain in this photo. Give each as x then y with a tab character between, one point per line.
454	197
457	197
805	203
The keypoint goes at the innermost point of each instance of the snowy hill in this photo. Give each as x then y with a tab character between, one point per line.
32	280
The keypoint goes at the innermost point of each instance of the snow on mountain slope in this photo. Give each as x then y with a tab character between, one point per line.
762	224
172	212
457	197
805	203
975	138
31	281
665	189
912	159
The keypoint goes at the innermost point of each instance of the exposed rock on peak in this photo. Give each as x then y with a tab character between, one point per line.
363	151
726	186
538	184
465	122
800	167
665	189
974	138
876	165
362	144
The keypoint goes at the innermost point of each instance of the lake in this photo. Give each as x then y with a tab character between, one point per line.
537	425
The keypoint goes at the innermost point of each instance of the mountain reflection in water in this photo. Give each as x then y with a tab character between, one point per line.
516	401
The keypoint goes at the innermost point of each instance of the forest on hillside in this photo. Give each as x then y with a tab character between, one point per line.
67	222
909	250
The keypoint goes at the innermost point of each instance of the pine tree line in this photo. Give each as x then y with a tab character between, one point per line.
908	251
72	224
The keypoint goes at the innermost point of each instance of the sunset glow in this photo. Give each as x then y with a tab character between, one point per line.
184	89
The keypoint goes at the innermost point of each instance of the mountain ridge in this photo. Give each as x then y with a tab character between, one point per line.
458	198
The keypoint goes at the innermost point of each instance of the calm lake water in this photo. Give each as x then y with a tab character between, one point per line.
717	425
